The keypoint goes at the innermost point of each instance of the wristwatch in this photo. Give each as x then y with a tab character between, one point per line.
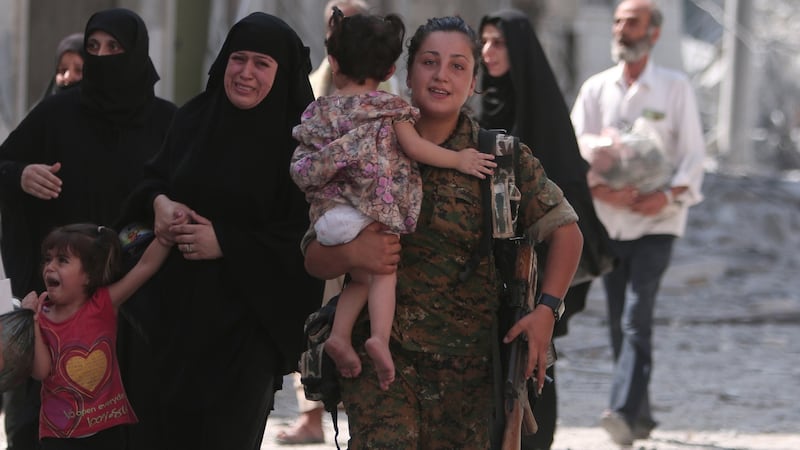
554	303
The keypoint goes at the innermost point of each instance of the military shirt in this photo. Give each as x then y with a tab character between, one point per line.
436	312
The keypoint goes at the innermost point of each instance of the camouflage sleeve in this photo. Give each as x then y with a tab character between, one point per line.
543	207
562	214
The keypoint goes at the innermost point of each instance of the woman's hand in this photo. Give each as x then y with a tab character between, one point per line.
537	326
373	250
168	213
196	239
40	181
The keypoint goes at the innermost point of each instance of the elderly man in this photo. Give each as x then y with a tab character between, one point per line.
638	100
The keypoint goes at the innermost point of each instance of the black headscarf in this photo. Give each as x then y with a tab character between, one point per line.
286	101
71	43
119	86
527	100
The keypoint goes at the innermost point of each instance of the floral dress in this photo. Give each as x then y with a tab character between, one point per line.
348	154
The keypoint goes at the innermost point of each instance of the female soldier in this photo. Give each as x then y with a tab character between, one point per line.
442	336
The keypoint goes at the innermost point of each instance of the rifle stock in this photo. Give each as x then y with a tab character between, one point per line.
512	434
519	416
519	421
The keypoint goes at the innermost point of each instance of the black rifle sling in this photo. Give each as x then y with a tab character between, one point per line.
487	139
486	142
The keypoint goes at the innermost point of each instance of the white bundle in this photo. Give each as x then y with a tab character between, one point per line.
635	158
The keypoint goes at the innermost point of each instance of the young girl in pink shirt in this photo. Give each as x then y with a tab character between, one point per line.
83	398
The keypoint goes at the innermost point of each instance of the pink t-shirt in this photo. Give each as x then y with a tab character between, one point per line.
83	394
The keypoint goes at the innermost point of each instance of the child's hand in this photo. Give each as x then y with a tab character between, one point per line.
475	163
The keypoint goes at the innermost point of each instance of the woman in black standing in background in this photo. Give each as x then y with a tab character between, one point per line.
520	94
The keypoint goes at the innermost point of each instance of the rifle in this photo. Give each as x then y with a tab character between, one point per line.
519	418
515	260
516	407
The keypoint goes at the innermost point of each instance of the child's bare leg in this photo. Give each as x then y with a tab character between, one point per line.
339	345
381	314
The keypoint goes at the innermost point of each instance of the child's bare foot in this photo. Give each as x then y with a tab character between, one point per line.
378	350
344	355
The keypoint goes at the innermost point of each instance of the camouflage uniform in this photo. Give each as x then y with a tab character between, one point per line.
441	398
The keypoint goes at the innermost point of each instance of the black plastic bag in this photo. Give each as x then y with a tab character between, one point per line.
138	311
16	347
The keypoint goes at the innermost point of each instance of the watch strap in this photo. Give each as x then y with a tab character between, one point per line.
552	302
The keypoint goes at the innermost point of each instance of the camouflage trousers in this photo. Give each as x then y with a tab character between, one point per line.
436	402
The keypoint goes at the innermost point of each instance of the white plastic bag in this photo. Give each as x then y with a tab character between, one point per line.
633	158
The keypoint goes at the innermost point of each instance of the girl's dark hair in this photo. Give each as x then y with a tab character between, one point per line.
97	247
449	23
365	45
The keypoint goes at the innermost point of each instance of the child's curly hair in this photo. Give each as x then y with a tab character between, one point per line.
97	247
366	46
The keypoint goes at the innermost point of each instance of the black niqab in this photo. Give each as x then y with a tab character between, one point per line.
118	87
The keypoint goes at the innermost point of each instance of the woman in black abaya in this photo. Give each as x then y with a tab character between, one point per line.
520	94
75	158
236	293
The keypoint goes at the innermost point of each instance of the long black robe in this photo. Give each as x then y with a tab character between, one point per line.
527	102
102	132
231	327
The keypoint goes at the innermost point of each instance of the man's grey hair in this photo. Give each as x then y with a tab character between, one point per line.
656	16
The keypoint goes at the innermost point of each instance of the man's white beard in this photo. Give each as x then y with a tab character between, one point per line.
631	52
